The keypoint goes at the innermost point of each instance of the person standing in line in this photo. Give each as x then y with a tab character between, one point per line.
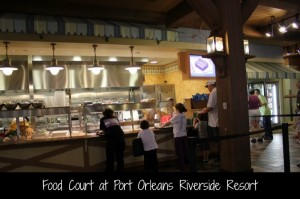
298	110
298	97
253	109
115	142
150	147
265	112
178	122
253	106
297	128
200	125
212	109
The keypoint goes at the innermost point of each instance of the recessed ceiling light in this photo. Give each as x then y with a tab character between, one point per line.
153	61
112	59
145	60
76	58
37	58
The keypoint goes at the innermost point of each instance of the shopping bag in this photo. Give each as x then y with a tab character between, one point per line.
137	147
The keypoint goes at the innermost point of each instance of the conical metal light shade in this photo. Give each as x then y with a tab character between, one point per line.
54	68
132	69
96	69
6	68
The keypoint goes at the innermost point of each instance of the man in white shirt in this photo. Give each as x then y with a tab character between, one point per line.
212	109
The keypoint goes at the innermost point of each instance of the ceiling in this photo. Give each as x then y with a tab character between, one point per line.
171	13
164	55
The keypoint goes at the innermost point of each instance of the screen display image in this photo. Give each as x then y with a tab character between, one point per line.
201	67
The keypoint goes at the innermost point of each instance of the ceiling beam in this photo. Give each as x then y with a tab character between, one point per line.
178	12
83	11
248	6
208	11
280	4
296	2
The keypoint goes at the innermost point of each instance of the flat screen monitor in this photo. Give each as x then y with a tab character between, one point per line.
201	67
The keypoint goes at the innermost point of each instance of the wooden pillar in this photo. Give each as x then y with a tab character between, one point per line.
232	91
228	17
293	60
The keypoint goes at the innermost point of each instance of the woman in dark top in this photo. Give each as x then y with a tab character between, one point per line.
115	144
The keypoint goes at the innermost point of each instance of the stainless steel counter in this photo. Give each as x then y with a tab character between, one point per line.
81	153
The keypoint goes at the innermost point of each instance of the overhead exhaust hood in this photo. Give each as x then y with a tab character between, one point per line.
76	75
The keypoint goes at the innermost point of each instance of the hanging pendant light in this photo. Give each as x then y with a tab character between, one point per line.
96	69
6	68
132	69
54	69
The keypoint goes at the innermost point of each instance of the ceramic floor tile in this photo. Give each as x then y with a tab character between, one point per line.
265	157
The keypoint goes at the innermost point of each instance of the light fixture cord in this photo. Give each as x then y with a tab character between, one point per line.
95	58
272	28
6	49
131	61
53	49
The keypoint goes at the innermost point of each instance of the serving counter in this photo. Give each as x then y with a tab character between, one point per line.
77	153
76	150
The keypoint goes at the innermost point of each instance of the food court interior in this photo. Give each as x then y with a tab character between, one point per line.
167	41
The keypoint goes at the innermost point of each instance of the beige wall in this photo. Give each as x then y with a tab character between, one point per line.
183	88
154	79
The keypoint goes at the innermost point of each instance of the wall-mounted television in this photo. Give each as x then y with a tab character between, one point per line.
201	67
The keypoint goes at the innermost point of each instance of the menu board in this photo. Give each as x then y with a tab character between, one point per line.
201	67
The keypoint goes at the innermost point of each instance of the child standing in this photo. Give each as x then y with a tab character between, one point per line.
200	124
178	122
150	146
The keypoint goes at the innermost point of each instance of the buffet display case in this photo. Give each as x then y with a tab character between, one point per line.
161	93
29	124
129	115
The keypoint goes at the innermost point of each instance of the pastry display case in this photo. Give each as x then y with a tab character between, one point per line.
35	123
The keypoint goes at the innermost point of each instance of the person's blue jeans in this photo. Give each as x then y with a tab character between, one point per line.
268	126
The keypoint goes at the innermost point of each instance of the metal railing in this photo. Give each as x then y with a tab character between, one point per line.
193	141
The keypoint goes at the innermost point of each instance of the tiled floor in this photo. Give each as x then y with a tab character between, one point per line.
268	156
265	157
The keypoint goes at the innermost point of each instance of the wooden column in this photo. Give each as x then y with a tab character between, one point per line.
293	60
232	90
228	17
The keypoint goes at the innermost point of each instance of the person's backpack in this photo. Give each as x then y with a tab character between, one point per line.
137	147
